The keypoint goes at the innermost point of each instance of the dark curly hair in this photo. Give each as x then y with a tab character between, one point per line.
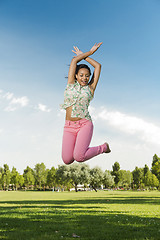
79	66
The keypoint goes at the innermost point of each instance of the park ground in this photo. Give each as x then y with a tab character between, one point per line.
102	215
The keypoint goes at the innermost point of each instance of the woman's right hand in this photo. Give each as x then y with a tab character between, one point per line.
77	51
95	47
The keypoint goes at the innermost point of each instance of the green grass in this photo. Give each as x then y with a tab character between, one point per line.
90	215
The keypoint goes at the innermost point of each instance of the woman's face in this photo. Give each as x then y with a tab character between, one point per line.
83	76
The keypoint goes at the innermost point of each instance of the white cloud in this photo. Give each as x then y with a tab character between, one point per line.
43	108
22	101
8	96
15	103
146	131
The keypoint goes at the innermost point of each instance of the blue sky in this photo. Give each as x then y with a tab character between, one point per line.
36	41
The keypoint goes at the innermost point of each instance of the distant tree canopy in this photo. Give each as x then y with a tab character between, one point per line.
116	172
66	177
156	166
108	179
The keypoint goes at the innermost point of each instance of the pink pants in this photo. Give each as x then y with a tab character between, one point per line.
76	139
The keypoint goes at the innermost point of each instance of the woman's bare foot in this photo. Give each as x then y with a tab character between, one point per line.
108	149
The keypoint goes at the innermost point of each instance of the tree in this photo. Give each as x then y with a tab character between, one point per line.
108	179
146	169
62	176
85	174
40	174
155	182
29	178
1	172
150	180
6	177
115	172
156	166
21	181
155	159
125	178
51	177
137	177
14	178
75	174
96	178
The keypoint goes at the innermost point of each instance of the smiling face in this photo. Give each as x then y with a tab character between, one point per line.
83	76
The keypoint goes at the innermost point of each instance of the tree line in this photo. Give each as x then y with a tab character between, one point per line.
66	177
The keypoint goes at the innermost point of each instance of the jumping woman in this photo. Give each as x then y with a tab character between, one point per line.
79	92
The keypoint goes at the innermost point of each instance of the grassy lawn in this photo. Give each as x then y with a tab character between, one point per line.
84	215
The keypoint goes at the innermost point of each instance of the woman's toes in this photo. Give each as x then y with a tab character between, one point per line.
108	149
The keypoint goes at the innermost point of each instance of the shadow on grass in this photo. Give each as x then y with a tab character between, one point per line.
96	200
87	218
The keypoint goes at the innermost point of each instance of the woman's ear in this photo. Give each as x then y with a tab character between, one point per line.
76	76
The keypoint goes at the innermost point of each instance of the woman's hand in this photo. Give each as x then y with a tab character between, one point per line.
95	47
77	51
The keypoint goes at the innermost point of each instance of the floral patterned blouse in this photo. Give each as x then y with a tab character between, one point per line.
79	98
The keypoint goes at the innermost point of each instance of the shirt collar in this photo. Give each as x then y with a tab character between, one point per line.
80	84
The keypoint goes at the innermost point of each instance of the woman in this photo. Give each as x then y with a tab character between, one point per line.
79	92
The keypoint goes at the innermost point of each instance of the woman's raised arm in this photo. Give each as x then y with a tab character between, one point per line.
73	65
78	58
95	64
96	74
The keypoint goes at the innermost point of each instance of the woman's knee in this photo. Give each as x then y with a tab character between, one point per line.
79	157
67	159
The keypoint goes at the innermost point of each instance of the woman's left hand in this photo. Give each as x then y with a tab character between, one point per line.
95	47
77	51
